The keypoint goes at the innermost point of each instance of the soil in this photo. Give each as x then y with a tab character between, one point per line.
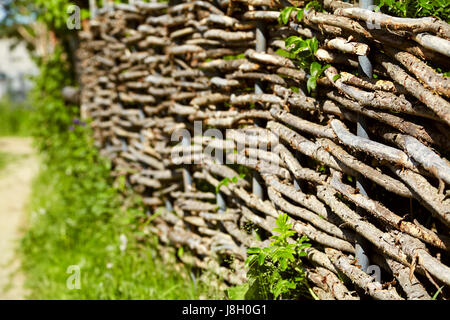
15	188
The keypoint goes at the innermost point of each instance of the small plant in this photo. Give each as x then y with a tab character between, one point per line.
276	272
226	181
285	14
445	74
302	52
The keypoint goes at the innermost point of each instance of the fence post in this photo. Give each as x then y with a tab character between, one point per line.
365	69
93	8
187	177
220	201
261	46
109	4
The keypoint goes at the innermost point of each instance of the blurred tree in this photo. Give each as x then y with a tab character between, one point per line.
42	24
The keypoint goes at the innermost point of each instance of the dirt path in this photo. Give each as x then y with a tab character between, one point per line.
15	188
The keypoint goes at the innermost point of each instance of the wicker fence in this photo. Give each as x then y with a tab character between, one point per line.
193	104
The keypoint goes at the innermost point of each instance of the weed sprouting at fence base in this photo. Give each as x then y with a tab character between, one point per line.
276	271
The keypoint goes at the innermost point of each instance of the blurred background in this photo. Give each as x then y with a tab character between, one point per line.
68	229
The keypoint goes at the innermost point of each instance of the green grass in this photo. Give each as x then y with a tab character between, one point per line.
6	158
71	226
15	118
78	218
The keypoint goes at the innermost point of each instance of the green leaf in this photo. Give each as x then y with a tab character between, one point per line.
253	251
180	252
301	46
437	293
314	45
311	84
283	265
283	286
302	246
261	258
238	292
285	54
291	40
295	89
325	67
285	14
336	77
315	69
282	220
251	260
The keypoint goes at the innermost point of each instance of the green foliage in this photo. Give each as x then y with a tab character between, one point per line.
286	13
15	118
226	181
54	14
316	5
302	52
53	119
276	271
32	21
79	218
238	292
417	8
315	71
446	74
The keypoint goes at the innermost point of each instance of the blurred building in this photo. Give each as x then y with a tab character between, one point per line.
16	66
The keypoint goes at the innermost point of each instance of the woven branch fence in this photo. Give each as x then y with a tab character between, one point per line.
150	70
